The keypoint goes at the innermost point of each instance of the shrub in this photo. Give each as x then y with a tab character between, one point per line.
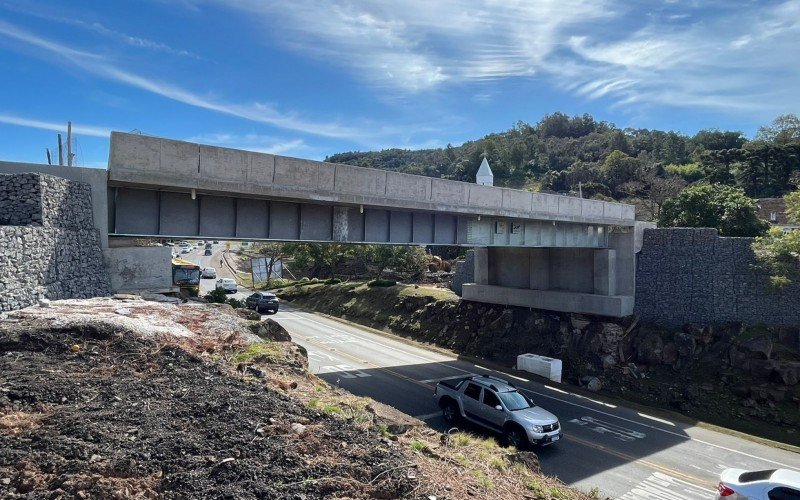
216	296
235	303
382	282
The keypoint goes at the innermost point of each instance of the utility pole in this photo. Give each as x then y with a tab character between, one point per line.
49	158
60	152
69	144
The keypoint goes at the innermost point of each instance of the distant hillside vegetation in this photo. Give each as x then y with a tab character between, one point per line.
640	166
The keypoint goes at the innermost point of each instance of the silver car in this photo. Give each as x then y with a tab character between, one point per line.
227	284
773	484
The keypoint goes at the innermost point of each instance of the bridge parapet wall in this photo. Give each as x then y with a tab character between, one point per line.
164	163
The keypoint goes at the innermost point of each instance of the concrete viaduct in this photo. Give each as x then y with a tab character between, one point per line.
535	250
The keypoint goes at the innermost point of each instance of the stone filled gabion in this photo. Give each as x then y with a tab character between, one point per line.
688	275
49	247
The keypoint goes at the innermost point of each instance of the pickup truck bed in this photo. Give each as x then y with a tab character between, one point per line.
452	384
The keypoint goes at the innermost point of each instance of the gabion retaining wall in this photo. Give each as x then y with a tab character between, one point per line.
49	247
694	276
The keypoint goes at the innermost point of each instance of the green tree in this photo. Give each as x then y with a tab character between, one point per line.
713	205
784	129
619	168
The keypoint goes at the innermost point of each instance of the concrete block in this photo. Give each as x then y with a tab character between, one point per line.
217	216
485	196
179	158
592	209
139	268
612	210
569	207
134	152
261	168
613	306
224	163
481	259
293	172
520	201
545	203
408	187
361	181
447	192
605	272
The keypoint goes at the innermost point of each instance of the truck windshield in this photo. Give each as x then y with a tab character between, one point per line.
515	401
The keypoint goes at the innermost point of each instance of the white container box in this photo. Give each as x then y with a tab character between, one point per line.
540	365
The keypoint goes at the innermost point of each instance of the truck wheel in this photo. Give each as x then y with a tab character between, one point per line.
450	412
514	436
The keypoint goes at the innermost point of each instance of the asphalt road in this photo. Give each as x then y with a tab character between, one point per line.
625	453
213	260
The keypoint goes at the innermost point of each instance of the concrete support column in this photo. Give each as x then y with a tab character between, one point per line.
481	265
605	272
340	223
540	269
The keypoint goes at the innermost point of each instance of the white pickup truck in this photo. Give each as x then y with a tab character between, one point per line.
497	405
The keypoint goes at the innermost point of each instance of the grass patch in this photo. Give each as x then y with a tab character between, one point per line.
483	479
419	445
263	352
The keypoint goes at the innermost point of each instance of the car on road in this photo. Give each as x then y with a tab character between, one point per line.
773	484
186	250
208	246
495	404
227	284
208	273
216	242
262	302
207	252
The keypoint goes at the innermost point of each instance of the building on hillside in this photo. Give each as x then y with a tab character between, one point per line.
773	210
485	177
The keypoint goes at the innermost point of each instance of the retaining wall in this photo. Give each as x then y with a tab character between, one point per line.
694	276
49	247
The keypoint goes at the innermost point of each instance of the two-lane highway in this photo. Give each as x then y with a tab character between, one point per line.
626	453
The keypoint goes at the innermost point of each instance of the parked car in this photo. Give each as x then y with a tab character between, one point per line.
227	284
773	484
262	302
497	405
207	251
216	242
209	273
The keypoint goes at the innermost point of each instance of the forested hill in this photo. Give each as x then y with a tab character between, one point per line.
638	165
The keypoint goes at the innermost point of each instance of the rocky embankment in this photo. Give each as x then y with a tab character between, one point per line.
741	377
125	398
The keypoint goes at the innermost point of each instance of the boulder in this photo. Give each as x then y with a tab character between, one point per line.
762	368
758	348
594	384
670	354
685	344
248	314
608	361
788	372
650	349
269	329
610	335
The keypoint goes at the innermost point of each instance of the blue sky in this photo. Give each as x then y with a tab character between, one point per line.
309	79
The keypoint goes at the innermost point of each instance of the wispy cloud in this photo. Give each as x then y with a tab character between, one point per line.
417	45
90	130
103	30
255	111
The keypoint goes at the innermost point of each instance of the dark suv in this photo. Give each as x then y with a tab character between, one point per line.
263	302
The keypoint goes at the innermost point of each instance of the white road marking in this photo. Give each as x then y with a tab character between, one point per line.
660	486
682	436
602	427
344	371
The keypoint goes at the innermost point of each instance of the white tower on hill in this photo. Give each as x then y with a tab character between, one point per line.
485	177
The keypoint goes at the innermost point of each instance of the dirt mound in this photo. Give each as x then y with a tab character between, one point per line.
103	413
